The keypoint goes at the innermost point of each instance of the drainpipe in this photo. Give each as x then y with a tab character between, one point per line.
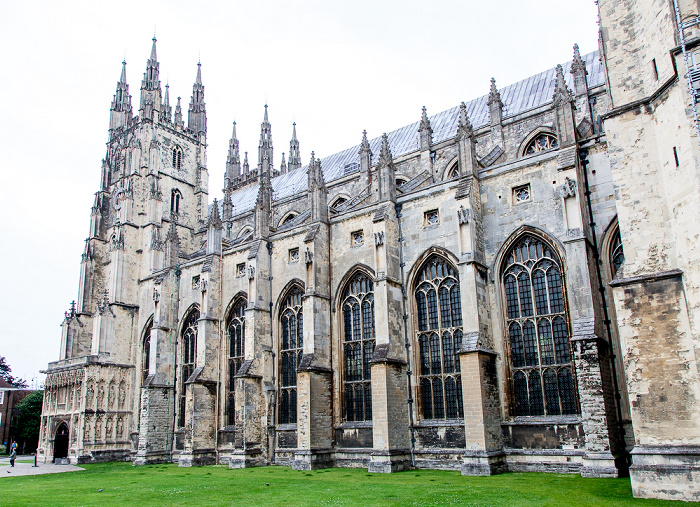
398	208
274	364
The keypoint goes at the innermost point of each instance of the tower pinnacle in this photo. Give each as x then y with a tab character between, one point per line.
294	153
265	151
150	86
197	115
121	111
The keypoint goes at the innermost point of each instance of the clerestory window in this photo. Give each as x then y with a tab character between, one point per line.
541	142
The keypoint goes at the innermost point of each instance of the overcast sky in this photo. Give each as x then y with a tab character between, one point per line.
335	68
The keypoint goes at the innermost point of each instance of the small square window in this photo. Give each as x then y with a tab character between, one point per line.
357	238
240	269
521	193
431	217
293	255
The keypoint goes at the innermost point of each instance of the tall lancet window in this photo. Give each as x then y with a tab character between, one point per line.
542	377
146	353
617	255
177	158
439	313
358	346
189	357
236	336
292	343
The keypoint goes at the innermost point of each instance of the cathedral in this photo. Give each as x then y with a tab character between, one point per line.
508	285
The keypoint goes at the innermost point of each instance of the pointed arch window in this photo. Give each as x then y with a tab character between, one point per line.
236	353
175	198
189	357
542	376
541	142
291	346
617	254
357	309
146	354
439	313
177	158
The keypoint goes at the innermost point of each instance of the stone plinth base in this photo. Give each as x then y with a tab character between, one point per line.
151	458
666	472
385	462
246	459
599	465
197	458
312	459
483	463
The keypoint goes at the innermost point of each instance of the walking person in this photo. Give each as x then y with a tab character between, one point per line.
13	455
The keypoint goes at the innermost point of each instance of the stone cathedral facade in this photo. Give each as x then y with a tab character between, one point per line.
510	284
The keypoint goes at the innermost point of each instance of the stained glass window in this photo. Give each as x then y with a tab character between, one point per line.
617	255
439	315
542	142
358	326
189	357
236	353
540	356
292	321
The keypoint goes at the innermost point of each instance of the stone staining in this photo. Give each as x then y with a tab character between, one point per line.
479	261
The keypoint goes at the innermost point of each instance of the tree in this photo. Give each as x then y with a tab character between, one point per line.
26	421
7	377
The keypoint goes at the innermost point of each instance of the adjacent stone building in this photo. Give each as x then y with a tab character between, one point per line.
434	297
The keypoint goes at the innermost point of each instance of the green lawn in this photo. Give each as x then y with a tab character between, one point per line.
18	461
122	483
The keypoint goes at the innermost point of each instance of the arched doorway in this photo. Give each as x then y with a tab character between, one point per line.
60	443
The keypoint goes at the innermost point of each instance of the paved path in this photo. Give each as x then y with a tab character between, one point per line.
29	469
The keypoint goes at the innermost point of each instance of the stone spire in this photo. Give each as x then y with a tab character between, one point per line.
246	166
283	165
561	91
263	206
495	104
578	69
265	153
233	161
150	86
214	228
120	111
197	114
563	105
386	172
425	131
317	192
464	126
165	110
178	114
365	159
294	153
227	205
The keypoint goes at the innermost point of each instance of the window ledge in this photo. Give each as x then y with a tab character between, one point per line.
429	423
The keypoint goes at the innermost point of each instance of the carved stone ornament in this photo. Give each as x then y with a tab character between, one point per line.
379	238
203	285
568	189
251	272
156	295
464	215
308	257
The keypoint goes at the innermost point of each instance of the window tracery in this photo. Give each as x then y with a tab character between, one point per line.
541	142
177	158
189	357
617	254
236	353
358	347
291	350
175	201
439	313
538	334
146	357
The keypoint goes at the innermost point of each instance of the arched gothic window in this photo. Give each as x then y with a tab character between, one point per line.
617	255
452	171
288	218
292	321
358	346
146	351
175	201
338	202
189	357
538	333
236	335
177	158
439	312
541	142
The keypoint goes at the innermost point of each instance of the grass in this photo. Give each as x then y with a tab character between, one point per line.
121	483
18	461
